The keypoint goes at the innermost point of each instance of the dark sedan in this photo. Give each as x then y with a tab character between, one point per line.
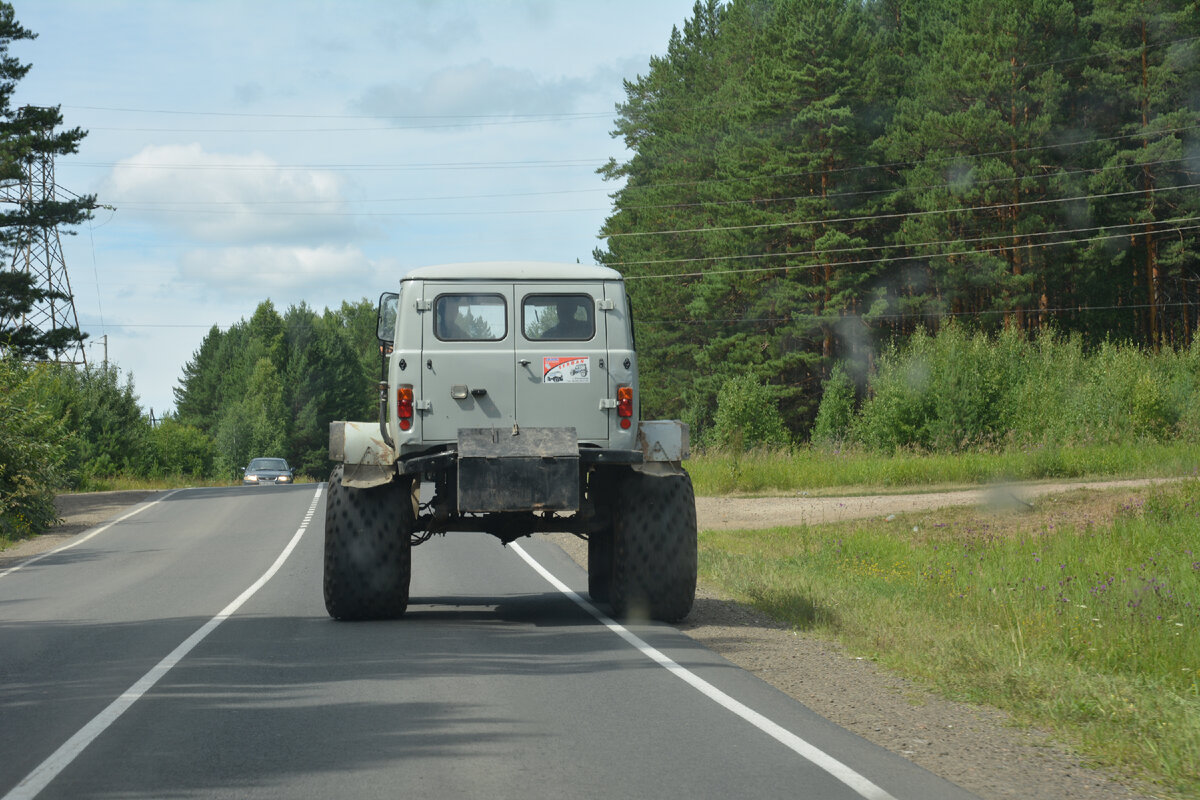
266	470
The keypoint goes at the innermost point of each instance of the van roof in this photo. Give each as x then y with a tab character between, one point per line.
513	270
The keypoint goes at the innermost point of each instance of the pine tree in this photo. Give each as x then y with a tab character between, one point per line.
671	121
1143	74
970	137
794	170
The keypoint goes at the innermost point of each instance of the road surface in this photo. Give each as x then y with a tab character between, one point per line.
183	651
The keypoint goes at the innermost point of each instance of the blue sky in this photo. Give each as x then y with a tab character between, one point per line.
315	151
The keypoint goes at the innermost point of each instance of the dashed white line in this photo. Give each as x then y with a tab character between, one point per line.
37	780
864	787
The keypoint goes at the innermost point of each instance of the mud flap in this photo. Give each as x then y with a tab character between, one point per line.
523	469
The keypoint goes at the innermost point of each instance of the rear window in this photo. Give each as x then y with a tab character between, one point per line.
470	318
558	317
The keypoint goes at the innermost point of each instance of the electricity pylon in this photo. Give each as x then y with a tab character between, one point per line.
38	252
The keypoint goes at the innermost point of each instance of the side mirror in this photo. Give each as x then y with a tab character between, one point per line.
385	323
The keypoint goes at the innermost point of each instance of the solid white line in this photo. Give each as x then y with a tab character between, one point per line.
37	780
82	539
820	758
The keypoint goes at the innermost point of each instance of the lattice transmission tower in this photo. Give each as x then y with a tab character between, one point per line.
38	252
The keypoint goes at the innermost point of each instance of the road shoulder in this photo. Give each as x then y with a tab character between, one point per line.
77	513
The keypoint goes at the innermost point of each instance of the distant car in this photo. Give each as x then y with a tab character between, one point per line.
266	470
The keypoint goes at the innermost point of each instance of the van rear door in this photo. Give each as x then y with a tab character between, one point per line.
467	375
561	352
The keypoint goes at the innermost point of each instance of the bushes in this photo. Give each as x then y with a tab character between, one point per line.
180	449
33	454
957	391
747	416
67	428
836	410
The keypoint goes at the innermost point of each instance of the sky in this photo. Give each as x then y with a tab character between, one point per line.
314	151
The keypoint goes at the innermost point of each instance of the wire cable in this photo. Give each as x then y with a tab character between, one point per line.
859	262
901	214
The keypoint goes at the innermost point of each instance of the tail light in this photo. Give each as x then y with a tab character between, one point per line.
625	405
404	407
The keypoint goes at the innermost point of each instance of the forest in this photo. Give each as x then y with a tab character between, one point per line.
813	180
270	385
882	224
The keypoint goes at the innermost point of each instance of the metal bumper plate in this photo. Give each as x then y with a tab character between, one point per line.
526	469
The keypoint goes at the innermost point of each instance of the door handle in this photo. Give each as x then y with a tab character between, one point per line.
478	392
524	362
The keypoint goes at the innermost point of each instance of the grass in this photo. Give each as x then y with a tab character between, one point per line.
848	471
1081	616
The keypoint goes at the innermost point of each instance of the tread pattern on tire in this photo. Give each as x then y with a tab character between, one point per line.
602	487
368	550
654	548
600	555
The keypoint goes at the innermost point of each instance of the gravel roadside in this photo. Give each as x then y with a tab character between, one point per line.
977	748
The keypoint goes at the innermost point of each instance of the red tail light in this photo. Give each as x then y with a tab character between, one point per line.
625	405
404	407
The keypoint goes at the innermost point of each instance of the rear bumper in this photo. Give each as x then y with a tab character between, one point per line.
446	459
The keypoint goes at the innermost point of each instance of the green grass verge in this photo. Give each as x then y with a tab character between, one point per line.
808	469
1081	616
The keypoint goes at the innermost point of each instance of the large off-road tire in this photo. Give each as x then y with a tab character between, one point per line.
602	488
654	548
368	549
600	565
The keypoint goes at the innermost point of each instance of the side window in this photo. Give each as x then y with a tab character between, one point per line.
558	317
470	317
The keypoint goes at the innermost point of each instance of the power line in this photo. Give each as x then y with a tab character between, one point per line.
897	165
157	209
873	317
369	129
903	189
702	204
173	207
267	115
900	214
859	262
973	240
415	167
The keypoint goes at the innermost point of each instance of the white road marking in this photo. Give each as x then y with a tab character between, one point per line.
37	780
820	758
84	538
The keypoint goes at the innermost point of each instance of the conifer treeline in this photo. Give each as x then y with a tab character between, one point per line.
270	386
810	178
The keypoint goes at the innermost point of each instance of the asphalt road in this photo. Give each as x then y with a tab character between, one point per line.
184	651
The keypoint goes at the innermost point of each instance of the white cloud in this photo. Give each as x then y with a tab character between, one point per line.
227	197
285	273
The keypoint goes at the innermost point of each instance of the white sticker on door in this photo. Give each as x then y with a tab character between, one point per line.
568	369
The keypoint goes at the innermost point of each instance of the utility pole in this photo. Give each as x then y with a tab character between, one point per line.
39	253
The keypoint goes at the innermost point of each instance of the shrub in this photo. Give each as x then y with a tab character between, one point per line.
33	453
953	391
836	410
747	416
181	449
